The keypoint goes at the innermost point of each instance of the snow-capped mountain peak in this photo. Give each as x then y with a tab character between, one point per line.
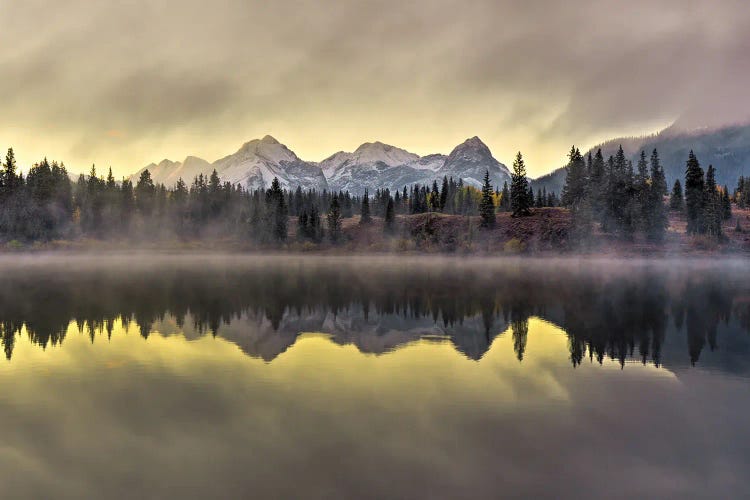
372	165
470	160
373	152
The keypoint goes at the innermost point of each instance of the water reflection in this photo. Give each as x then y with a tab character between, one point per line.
169	417
651	312
167	377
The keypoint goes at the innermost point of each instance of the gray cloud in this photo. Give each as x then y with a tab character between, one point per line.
127	83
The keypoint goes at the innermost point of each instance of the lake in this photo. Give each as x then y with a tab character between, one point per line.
152	376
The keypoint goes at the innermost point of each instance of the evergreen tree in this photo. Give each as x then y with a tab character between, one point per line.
519	188
95	188
576	195
620	195
316	227
334	220
505	197
434	198
694	194
742	193
539	203
574	190
276	210
598	185
658	180
10	180
145	192
642	192
390	217
712	214
303	225
487	205
365	211
676	200
530	196
656	214
726	205
443	194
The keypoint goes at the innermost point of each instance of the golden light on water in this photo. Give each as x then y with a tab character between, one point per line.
423	369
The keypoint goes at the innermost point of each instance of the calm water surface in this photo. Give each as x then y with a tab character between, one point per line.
235	377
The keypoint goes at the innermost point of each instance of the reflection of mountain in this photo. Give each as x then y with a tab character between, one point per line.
369	333
677	316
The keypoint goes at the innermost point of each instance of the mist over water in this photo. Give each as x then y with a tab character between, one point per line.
156	375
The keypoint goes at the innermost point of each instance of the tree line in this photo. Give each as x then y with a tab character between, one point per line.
620	198
46	205
625	201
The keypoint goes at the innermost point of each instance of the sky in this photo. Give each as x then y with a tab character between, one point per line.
123	84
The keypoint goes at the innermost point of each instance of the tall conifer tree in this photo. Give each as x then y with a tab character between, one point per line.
365	218
676	200
487	203
519	189
694	194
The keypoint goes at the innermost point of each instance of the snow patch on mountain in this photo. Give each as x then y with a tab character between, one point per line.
373	165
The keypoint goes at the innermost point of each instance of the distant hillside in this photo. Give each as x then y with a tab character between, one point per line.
727	149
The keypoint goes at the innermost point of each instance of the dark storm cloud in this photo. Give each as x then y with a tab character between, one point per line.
131	82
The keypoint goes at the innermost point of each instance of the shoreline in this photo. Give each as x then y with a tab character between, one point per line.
544	234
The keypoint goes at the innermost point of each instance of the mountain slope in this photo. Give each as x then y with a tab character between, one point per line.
377	166
253	166
470	160
257	162
726	148
373	166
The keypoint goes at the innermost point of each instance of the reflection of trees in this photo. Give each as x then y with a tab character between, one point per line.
520	329
619	316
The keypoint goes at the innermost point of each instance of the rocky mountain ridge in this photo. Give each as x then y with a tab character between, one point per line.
373	165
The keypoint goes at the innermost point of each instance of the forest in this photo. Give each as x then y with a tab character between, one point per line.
614	196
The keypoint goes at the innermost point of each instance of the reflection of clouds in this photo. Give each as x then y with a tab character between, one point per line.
170	417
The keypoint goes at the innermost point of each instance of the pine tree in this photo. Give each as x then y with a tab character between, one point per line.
726	205
10	179
656	215
575	188
334	220
676	200
598	185
144	192
434	198
658	180
444	194
303	225
712	214
505	197
694	194
365	218
390	217
315	226
487	203
742	193
519	188
277	209
620	195
641	186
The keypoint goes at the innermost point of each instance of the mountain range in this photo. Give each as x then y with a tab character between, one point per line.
375	165
372	166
